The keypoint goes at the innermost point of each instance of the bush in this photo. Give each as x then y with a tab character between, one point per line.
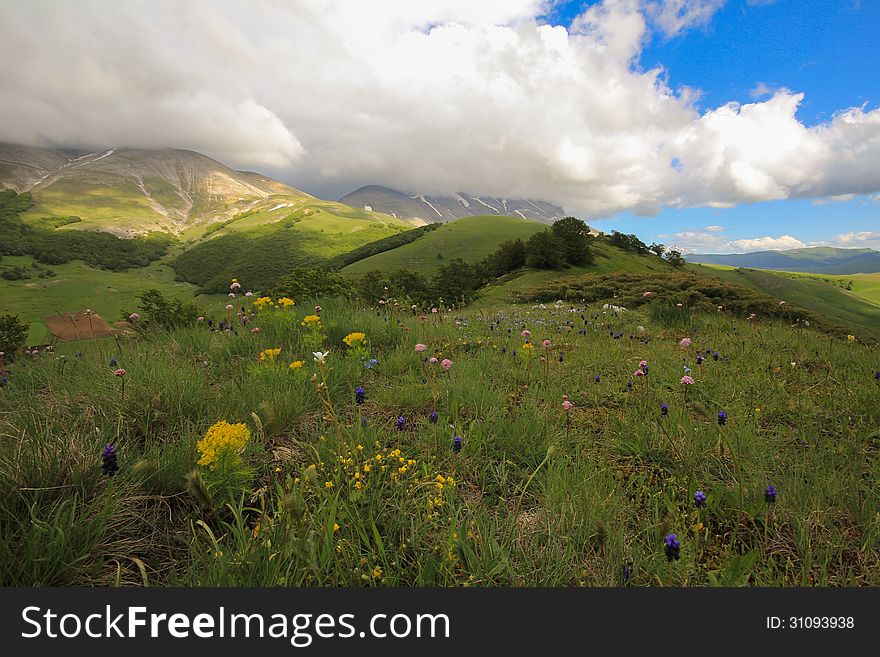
311	283
13	334
157	311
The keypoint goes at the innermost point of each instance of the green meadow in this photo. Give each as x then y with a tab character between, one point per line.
313	482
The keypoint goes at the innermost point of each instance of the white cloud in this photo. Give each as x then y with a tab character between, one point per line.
768	243
437	97
866	239
715	229
674	16
761	90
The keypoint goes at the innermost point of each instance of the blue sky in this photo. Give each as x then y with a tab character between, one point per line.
827	49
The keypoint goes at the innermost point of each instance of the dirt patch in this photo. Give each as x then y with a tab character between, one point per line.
68	327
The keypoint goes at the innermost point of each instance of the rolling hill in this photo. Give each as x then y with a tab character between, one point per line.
436	209
470	239
818	260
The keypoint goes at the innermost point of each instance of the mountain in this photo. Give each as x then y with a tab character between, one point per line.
438	209
129	190
817	260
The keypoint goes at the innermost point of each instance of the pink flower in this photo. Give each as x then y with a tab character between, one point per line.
751	316
567	405
685	343
248	294
643	363
228	306
446	364
201	319
119	372
647	294
432	360
134	317
688	381
235	285
381	302
232	295
638	373
546	343
255	330
526	334
420	347
317	309
434	310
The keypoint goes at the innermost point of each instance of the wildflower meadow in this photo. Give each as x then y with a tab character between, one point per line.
280	443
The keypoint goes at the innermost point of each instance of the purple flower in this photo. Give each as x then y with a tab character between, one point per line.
401	423
359	395
877	375
456	444
700	499
432	418
699	360
108	461
673	547
598	378
714	355
770	494
664	409
722	418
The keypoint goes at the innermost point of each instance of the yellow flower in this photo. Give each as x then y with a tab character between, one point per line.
284	302
335	527
262	302
850	338
295	365
367	468
270	354
310	320
528	346
328	484
377	572
354	339
222	439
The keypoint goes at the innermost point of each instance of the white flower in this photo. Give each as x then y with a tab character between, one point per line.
320	356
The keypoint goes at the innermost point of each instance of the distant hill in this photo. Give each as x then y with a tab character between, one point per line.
817	260
436	209
129	191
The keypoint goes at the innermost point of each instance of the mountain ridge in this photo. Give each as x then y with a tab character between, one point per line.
440	209
814	260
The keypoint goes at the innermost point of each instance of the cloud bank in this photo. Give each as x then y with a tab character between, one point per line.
435	97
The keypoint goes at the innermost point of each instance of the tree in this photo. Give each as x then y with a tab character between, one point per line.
675	258
544	251
507	257
371	287
657	249
574	235
455	281
311	283
13	334
406	283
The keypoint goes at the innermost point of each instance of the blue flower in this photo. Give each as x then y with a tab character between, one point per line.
359	395
673	547
432	418
714	355
770	494
108	461
401	423
113	362
664	409
456	444
598	378
722	418
700	499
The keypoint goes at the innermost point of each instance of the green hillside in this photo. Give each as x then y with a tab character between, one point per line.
469	238
807	292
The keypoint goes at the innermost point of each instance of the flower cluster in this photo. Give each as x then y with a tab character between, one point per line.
222	441
354	340
109	466
270	354
310	321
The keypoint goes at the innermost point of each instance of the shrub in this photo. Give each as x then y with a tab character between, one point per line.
13	334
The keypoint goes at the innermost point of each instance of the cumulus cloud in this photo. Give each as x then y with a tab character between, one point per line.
439	97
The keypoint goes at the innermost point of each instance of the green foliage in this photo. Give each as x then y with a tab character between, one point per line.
311	283
13	334
545	250
158	311
675	258
574	236
626	242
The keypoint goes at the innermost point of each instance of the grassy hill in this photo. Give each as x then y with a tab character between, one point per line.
807	292
469	238
818	259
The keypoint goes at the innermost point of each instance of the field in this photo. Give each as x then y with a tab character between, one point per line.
854	308
555	463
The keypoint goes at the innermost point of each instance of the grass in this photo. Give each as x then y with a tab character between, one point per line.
469	238
76	286
810	292
536	496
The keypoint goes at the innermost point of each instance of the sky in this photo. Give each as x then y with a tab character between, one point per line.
709	125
